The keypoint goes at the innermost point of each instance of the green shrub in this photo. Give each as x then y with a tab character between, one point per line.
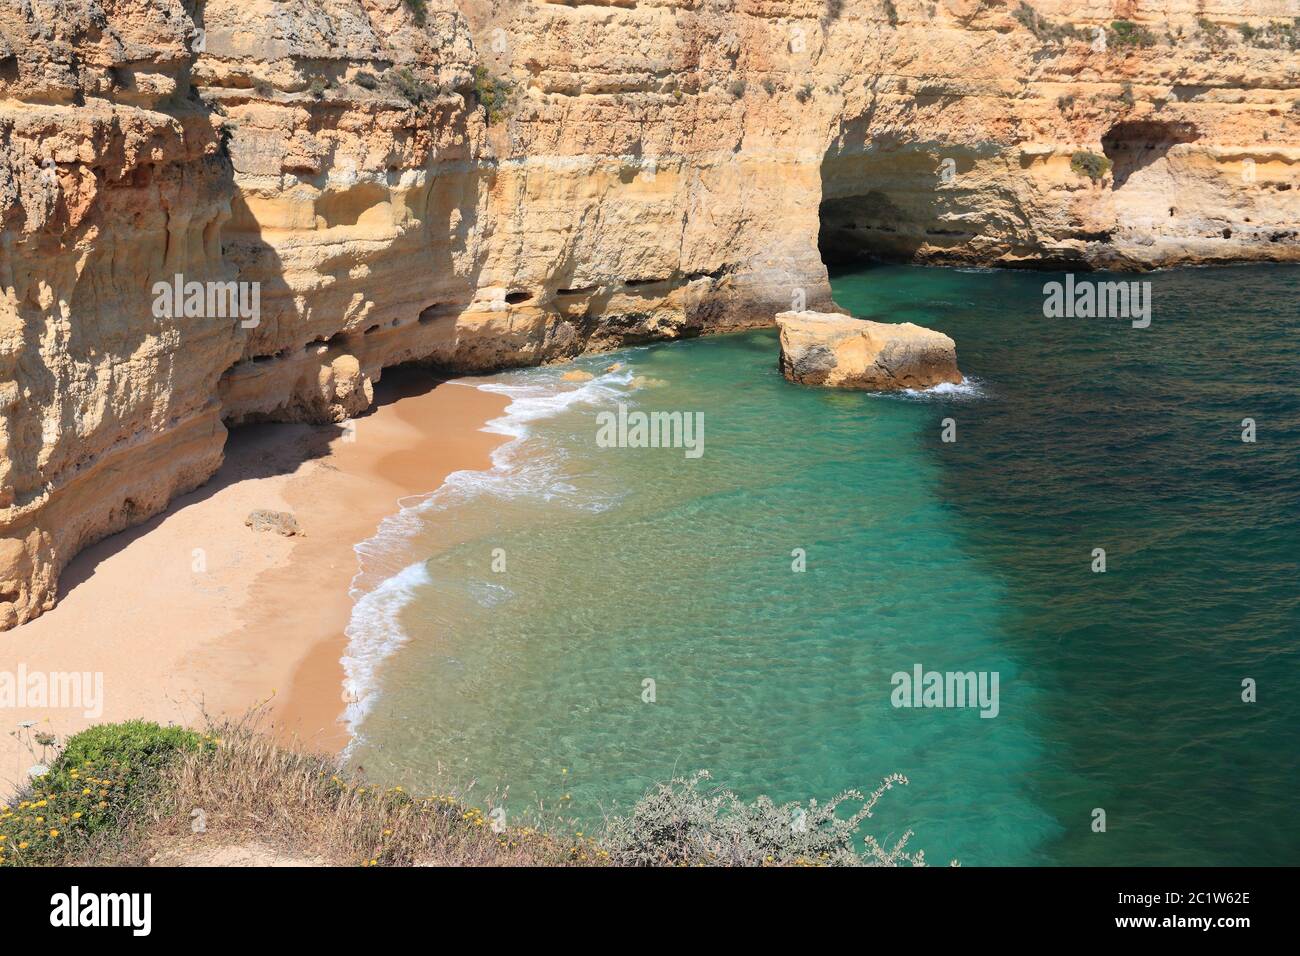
102	774
1126	33
417	9
411	87
678	824
736	88
1044	29
1213	35
1272	36
1092	165
492	93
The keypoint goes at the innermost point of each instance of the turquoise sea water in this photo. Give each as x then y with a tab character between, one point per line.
1119	690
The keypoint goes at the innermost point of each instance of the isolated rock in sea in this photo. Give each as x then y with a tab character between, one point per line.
839	351
281	522
577	375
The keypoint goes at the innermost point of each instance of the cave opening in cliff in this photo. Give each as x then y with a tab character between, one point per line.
1136	145
895	203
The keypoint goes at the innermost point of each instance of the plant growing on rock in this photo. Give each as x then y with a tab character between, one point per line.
1212	35
492	93
1126	33
417	9
411	87
1272	36
1090	164
1044	29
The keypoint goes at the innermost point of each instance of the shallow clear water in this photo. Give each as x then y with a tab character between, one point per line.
1119	690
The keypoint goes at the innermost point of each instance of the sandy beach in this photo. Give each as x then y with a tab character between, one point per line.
193	613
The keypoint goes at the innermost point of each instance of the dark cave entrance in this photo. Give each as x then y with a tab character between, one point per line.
896	202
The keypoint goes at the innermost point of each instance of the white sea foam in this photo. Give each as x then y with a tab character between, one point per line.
387	580
968	387
373	634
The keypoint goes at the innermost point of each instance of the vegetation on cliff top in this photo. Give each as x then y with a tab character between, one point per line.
120	794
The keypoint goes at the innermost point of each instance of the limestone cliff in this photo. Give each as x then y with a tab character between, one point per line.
483	183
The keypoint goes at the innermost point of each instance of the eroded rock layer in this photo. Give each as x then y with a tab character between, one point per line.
485	183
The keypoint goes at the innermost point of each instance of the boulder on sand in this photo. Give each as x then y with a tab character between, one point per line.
839	351
281	522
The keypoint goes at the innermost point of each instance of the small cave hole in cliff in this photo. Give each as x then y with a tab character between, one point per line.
896	202
1135	145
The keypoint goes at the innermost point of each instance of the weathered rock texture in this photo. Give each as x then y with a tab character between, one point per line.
657	169
839	351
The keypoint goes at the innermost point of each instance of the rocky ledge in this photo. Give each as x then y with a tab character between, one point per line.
839	351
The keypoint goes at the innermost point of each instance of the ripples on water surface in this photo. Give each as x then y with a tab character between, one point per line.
1118	690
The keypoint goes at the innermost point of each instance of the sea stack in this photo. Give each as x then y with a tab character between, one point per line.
839	351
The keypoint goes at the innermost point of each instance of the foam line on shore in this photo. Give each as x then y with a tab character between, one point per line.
390	575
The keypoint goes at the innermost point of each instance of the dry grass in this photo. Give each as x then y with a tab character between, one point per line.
135	793
252	790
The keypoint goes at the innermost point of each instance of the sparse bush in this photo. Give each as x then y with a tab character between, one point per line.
678	823
492	93
367	81
1272	36
770	86
736	88
804	93
1212	35
1125	96
1092	165
1126	33
411	87
1065	103
418	10
1044	29
317	87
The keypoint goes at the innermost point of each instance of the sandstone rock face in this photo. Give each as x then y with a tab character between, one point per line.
839	351
485	183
